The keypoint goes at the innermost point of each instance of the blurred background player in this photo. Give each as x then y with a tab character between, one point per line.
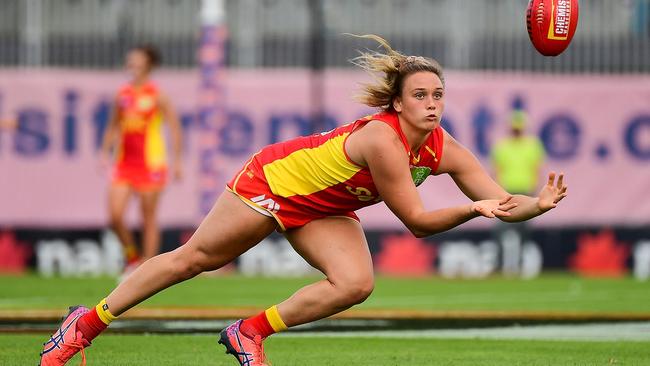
8	124
135	135
517	160
308	188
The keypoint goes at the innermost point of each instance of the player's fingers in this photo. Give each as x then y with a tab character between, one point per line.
500	213
505	200
489	215
484	212
560	181
551	178
559	198
507	207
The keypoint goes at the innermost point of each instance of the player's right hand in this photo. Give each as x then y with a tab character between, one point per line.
494	208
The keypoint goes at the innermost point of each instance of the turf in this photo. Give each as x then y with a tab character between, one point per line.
549	293
202	350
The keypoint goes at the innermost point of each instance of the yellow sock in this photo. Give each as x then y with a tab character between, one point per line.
130	252
104	314
273	316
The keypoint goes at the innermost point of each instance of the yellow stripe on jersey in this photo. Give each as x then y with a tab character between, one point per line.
310	170
155	155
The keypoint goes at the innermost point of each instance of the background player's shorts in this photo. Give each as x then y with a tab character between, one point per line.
251	187
139	178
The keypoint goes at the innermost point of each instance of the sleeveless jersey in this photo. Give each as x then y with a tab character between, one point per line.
141	144
313	175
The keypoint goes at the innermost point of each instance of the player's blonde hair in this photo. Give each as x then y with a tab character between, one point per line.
395	68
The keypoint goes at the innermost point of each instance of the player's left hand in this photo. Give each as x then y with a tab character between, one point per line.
552	193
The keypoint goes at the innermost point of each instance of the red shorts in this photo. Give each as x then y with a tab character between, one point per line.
251	186
139	178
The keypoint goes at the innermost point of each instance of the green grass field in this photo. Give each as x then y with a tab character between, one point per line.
134	350
549	293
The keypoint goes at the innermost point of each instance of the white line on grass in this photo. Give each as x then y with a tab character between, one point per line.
638	331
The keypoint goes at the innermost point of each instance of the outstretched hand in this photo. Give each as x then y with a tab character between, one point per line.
494	208
552	193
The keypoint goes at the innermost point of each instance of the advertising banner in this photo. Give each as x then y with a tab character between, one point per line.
596	129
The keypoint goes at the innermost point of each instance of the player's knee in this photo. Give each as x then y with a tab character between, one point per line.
187	263
357	291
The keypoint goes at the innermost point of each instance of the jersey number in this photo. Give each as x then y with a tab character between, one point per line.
363	194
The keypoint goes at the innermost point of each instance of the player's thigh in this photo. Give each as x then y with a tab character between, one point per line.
118	198
228	230
336	246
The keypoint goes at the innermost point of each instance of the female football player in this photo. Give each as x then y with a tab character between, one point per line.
308	188
135	134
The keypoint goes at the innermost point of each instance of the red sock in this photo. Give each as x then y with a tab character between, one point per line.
256	325
90	325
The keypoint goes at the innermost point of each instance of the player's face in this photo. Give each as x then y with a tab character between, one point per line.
422	100
137	63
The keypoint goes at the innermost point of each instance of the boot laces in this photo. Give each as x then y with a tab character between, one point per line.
71	348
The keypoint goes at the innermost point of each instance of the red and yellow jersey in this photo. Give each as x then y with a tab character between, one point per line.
314	177
142	143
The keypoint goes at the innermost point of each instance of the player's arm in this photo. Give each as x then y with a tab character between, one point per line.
176	134
476	183
377	146
111	134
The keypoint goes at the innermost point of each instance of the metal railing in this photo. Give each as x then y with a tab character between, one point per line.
613	35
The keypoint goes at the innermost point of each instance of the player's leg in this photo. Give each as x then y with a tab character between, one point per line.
228	230
338	248
150	229
118	198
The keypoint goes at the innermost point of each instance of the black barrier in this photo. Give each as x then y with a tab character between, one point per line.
616	251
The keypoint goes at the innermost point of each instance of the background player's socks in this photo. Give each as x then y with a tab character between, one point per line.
263	324
131	253
95	321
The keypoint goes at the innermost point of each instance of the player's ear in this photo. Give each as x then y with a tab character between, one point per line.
397	104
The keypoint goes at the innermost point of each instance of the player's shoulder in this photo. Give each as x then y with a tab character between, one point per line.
377	135
448	139
151	87
379	130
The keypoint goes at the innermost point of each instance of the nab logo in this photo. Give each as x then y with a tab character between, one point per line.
270	204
